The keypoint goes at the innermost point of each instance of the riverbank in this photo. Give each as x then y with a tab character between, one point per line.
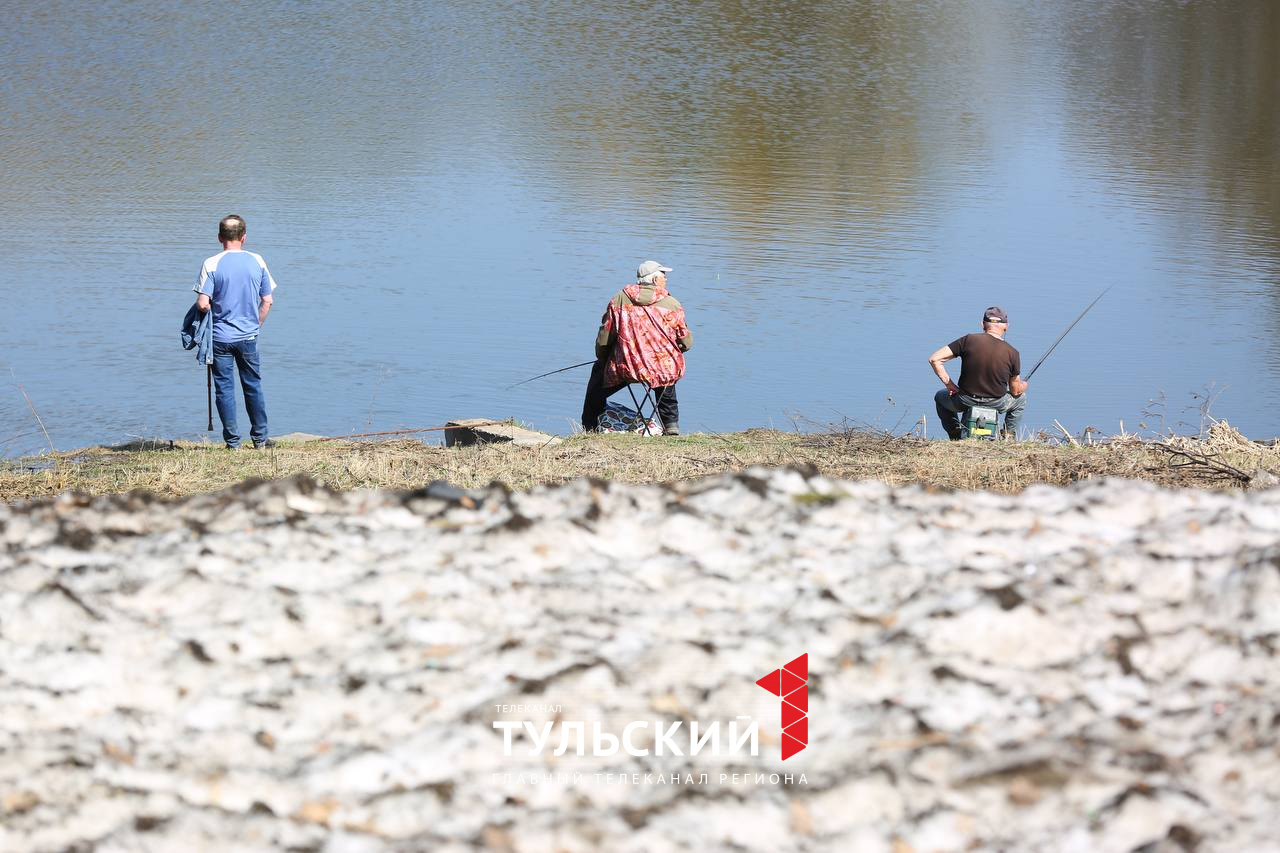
1221	459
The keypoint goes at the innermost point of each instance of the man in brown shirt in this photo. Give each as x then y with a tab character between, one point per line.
990	376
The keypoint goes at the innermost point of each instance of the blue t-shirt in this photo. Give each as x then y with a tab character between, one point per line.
236	281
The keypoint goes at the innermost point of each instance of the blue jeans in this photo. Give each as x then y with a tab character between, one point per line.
951	407
227	357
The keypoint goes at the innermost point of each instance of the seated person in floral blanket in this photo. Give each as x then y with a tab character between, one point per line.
643	338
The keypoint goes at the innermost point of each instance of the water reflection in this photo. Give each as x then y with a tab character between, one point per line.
1186	99
447	193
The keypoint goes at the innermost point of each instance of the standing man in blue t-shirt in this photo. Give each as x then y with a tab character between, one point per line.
237	287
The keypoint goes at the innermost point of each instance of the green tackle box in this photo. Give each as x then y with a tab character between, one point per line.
981	422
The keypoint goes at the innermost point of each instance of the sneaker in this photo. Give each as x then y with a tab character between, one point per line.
672	428
266	444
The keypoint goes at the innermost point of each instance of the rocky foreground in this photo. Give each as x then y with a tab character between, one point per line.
278	667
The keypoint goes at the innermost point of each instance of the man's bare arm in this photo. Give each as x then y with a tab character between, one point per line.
264	308
936	361
1017	386
202	302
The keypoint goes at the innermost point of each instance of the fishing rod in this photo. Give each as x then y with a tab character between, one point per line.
552	373
411	431
1064	334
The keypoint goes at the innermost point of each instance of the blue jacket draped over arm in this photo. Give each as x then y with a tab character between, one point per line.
197	333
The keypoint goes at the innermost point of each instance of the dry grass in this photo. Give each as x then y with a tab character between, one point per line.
1000	467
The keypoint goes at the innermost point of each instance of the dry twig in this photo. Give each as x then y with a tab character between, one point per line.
1209	463
1071	438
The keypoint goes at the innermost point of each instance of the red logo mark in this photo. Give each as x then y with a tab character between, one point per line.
791	683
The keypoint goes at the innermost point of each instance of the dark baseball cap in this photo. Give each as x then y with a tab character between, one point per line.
995	314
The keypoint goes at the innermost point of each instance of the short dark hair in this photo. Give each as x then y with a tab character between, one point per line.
231	228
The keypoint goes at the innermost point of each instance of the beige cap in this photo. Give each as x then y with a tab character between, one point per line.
648	268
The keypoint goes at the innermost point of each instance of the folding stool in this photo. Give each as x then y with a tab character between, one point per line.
650	398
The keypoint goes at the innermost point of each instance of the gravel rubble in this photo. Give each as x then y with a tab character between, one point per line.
279	667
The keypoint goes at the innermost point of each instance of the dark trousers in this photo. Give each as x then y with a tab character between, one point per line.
598	395
951	407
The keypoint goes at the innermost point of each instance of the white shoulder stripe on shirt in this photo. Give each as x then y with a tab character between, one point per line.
263	264
209	265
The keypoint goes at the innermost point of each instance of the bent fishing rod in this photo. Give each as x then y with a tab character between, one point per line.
1064	334
551	373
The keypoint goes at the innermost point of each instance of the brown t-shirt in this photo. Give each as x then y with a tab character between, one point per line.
987	364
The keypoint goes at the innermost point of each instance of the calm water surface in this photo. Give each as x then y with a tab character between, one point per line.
449	192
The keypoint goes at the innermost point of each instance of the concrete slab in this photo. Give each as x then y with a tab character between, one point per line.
298	437
486	431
